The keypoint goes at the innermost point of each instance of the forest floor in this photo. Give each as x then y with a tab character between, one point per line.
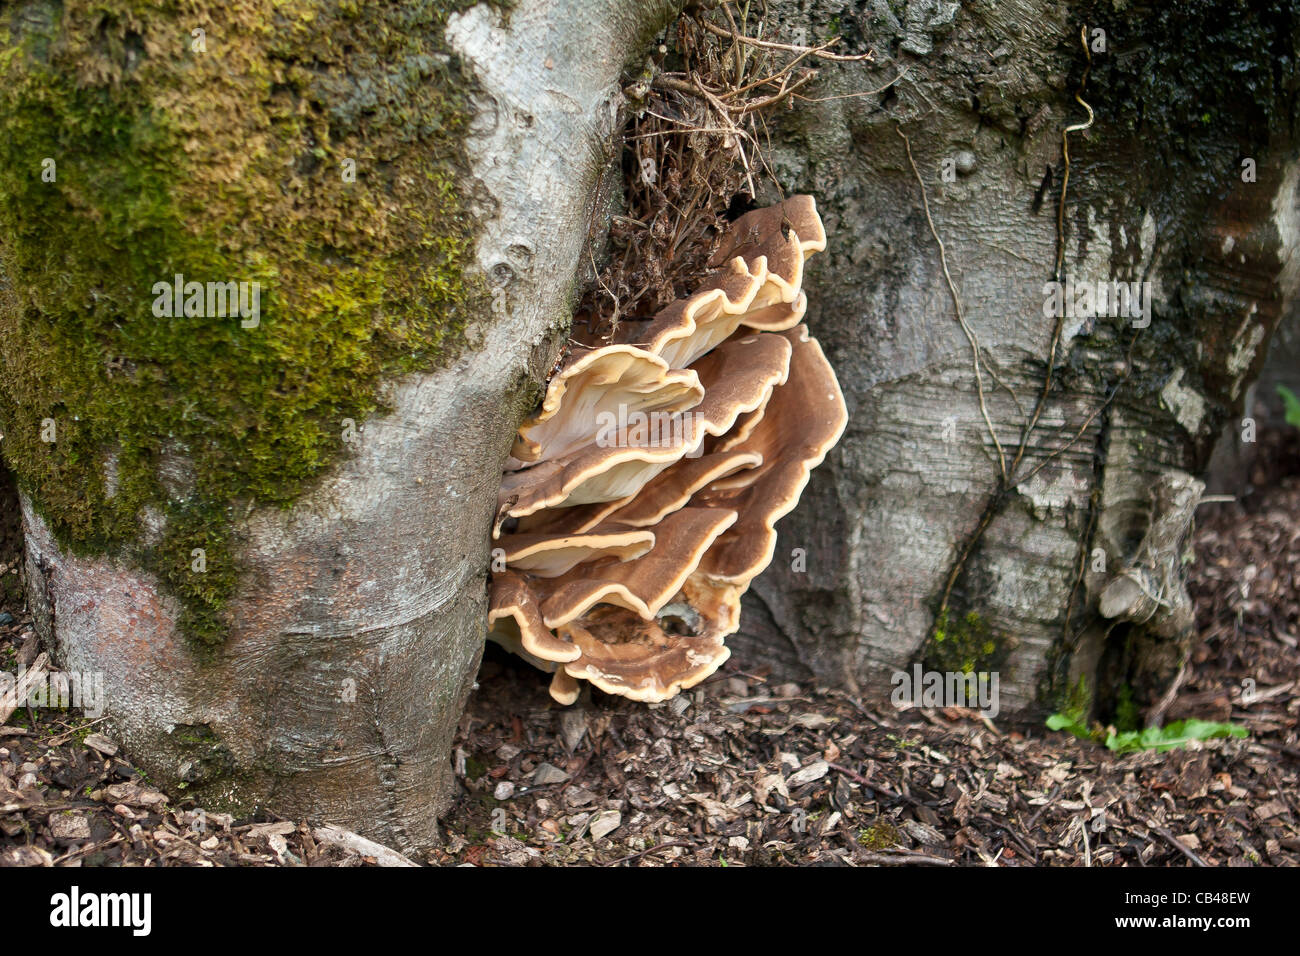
746	771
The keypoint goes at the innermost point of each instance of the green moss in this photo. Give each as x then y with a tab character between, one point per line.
1075	705
967	645
82	732
1127	716
880	836
193	734
204	758
474	768
224	165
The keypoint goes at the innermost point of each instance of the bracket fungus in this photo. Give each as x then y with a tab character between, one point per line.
640	500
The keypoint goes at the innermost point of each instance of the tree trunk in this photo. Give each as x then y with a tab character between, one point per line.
348	648
911	504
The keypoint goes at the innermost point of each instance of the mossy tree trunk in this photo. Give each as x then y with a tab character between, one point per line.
1186	179
268	530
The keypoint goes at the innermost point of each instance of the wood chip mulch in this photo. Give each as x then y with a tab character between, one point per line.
743	771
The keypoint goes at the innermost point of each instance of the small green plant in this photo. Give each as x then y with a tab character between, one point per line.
1169	737
1072	723
1172	736
1073	715
1292	405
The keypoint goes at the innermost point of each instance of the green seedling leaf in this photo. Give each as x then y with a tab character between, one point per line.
1171	736
1292	404
1073	724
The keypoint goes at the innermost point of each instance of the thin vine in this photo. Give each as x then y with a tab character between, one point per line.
1008	477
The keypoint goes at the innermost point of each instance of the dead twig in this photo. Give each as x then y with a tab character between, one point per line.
874	787
1177	845
86	850
636	856
821	52
848	96
693	149
382	855
1021	843
956	300
905	858
1051	798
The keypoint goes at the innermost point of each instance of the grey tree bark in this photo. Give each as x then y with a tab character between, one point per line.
1186	179
360	619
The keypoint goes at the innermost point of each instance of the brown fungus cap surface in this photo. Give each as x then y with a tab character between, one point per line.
640	501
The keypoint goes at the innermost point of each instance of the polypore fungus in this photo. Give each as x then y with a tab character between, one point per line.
640	501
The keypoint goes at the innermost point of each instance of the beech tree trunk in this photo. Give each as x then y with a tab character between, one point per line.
1186	179
359	616
359	620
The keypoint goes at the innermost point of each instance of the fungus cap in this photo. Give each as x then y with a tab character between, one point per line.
628	549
